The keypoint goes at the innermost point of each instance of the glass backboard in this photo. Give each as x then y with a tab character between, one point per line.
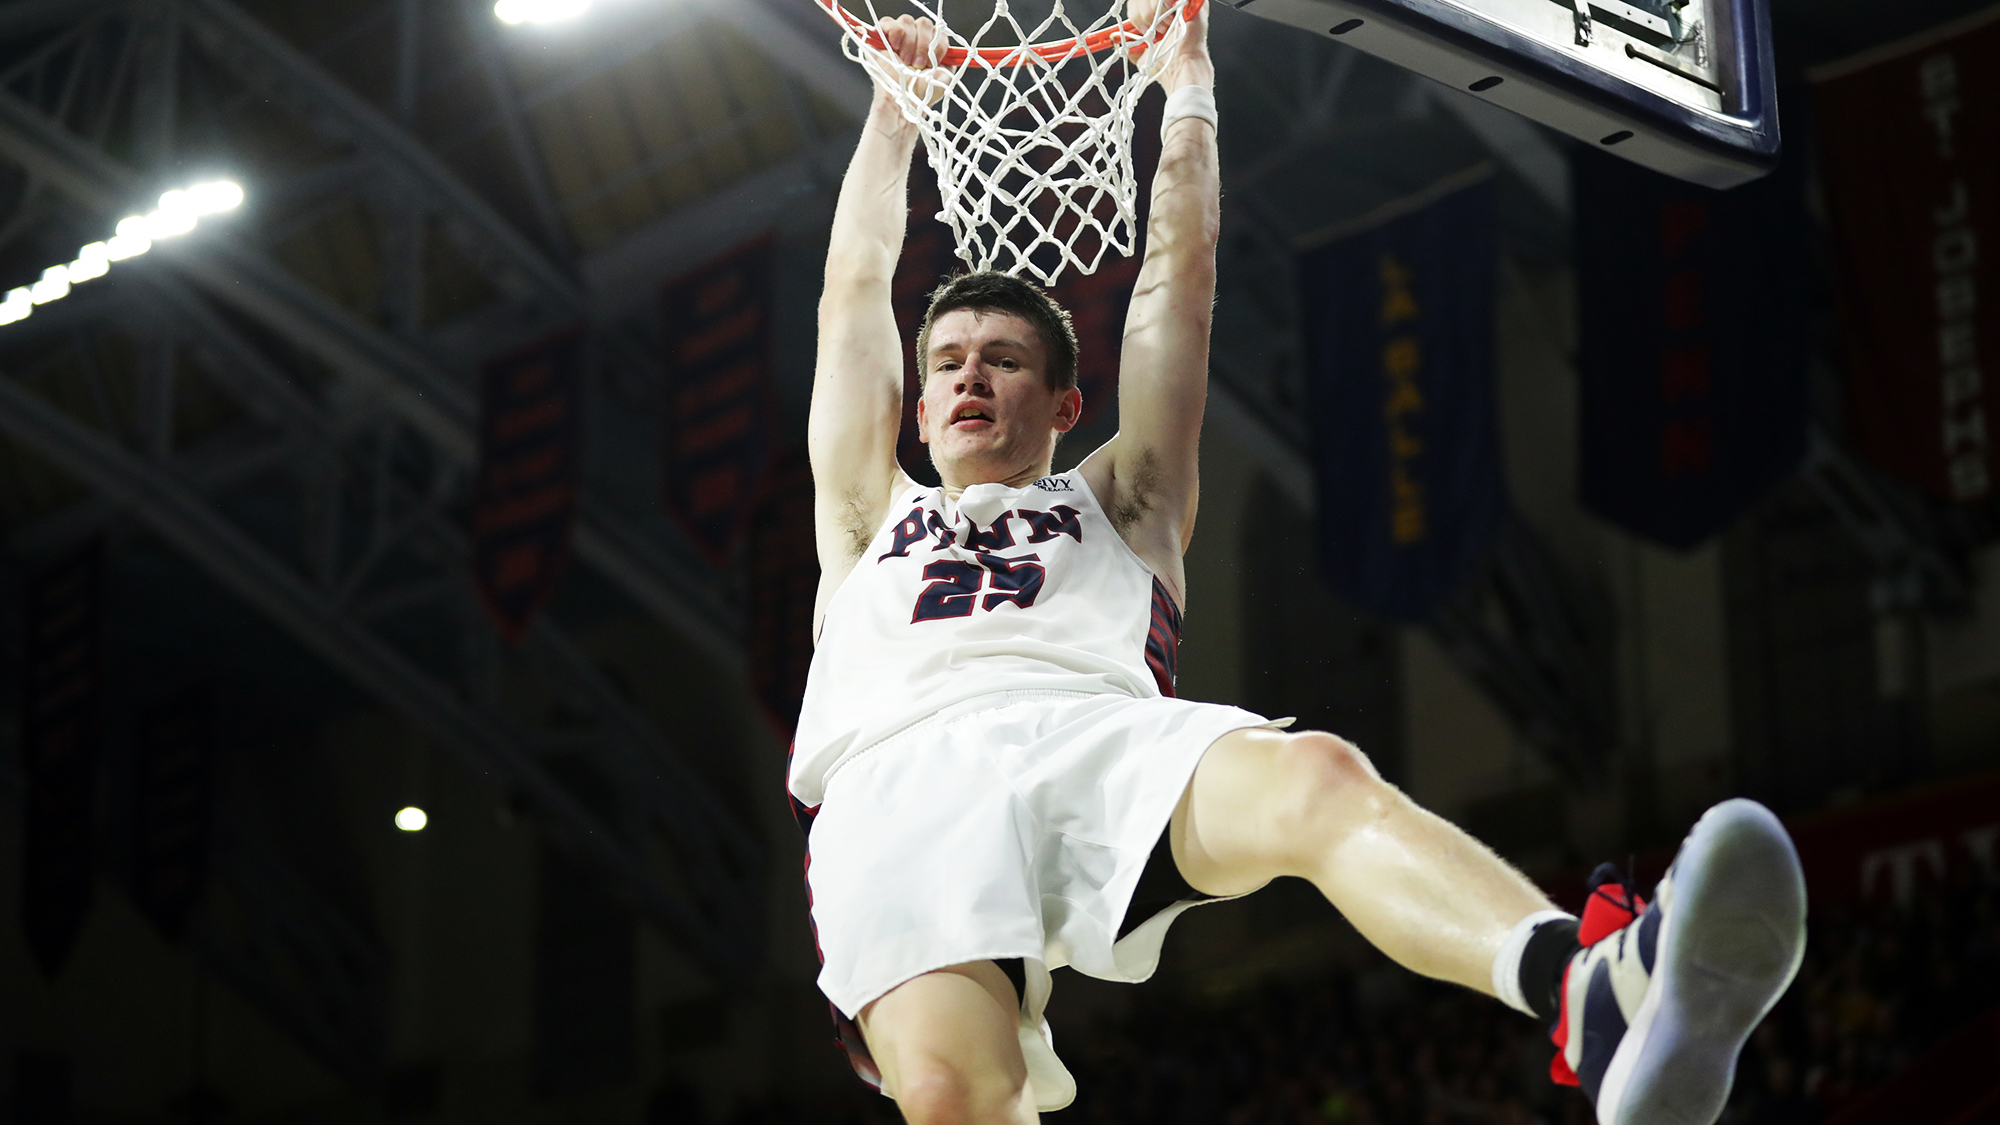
1684	87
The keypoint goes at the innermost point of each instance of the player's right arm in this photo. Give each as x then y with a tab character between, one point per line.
857	399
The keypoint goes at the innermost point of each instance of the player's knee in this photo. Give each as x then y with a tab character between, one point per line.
932	1091
1326	782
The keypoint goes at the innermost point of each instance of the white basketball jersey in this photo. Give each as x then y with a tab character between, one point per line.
1004	589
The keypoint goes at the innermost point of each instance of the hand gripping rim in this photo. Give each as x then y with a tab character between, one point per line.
1127	33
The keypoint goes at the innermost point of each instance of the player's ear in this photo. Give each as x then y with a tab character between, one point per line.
923	431
1069	410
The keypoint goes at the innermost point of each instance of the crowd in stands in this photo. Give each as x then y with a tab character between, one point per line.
1878	986
1374	1045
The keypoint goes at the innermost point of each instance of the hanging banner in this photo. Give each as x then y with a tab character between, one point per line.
927	261
784	581
1691	346
59	735
170	841
530	461
1398	322
1097	304
1912	170
717	346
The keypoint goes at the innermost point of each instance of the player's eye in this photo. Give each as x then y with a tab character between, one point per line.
1009	365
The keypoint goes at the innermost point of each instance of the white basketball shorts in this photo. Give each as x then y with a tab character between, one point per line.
1011	826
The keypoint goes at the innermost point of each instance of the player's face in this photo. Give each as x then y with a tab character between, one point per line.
987	410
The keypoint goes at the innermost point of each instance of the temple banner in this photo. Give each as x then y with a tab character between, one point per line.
524	508
717	361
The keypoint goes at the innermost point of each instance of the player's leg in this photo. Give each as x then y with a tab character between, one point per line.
948	1050
1264	804
1650	1027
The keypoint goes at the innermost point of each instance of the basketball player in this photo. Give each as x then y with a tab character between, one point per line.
996	774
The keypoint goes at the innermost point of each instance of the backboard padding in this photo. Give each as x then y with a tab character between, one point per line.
1687	91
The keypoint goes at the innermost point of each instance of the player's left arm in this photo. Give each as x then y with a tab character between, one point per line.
1150	470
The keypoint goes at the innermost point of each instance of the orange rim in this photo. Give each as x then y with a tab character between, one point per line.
1053	51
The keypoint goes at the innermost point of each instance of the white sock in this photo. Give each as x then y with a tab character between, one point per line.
1507	964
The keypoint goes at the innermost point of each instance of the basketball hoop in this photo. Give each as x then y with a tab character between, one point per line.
1031	138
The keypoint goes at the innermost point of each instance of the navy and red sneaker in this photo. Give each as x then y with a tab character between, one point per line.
1658	1002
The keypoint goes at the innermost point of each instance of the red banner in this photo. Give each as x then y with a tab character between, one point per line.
1097	304
1885	849
1912	172
171	829
530	438
59	734
928	259
784	581
718	392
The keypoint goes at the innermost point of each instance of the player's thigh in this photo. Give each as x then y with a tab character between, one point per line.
947	1046
1265	803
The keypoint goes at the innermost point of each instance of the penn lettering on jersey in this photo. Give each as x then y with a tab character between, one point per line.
908	533
1042	527
1060	520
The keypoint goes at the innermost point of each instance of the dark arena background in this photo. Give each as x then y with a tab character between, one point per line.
406	570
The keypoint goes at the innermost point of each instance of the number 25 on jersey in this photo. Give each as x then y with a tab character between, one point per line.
954	586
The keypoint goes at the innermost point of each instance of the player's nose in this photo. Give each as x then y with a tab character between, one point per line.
973	377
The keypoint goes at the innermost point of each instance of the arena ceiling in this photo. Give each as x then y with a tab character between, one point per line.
632	140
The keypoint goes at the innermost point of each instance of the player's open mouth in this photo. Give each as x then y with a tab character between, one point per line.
970	418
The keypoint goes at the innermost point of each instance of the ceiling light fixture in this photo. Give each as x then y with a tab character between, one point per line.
179	212
539	11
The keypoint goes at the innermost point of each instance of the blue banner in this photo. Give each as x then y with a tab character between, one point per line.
718	392
1692	350
530	459
1398	323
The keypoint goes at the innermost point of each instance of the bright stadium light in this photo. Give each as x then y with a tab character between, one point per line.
539	11
180	211
169	224
53	286
412	819
214	198
92	262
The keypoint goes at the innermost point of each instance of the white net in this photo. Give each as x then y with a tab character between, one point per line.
1028	124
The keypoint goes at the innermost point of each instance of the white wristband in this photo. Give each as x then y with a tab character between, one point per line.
1189	101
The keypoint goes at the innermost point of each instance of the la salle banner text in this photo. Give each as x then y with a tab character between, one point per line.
1398	324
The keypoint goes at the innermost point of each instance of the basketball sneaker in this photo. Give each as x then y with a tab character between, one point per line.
1658	1001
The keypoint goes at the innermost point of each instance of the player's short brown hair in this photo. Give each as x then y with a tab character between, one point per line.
993	291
